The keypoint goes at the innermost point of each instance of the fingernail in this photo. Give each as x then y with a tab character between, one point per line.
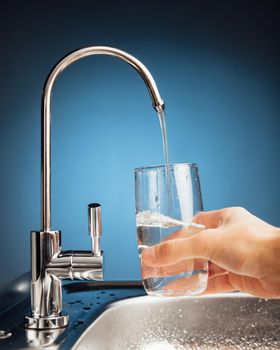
148	255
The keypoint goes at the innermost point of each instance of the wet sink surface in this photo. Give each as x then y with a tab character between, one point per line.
115	315
231	321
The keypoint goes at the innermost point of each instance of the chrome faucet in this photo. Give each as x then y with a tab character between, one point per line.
50	264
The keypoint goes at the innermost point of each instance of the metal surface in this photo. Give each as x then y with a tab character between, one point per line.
95	226
49	322
5	334
44	338
83	301
109	315
49	266
158	104
49	263
228	321
77	265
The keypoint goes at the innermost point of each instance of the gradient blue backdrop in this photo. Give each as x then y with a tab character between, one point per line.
217	67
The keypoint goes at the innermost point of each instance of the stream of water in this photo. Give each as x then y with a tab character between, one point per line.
162	121
163	127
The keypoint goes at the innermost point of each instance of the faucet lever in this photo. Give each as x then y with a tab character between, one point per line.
94	226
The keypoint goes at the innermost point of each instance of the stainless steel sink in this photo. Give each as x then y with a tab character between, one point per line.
225	321
118	315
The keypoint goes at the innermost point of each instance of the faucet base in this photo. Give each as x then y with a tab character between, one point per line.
47	322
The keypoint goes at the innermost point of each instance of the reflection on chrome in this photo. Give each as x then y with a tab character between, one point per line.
49	263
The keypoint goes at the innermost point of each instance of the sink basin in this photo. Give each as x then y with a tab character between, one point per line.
119	315
225	321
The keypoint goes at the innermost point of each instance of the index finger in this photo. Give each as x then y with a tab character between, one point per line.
174	250
210	219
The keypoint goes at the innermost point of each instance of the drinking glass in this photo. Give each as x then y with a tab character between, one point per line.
167	199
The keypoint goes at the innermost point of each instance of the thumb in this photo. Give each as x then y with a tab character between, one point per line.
170	252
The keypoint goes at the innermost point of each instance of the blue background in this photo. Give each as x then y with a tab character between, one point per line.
216	64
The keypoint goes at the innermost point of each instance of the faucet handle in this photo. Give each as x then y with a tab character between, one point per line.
94	226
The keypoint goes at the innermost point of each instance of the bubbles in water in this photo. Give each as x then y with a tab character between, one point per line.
155	219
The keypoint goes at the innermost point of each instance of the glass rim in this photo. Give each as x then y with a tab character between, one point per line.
171	166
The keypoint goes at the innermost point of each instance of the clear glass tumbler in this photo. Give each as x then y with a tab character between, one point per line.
167	201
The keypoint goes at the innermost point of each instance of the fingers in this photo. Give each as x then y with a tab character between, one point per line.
215	270
181	267
224	283
219	284
210	219
211	244
183	286
175	250
251	285
230	282
216	218
183	233
166	253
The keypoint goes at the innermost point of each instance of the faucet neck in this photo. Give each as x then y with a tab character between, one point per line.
157	101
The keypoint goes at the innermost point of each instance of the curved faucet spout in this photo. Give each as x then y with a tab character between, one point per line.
158	104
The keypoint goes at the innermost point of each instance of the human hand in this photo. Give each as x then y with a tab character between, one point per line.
244	253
